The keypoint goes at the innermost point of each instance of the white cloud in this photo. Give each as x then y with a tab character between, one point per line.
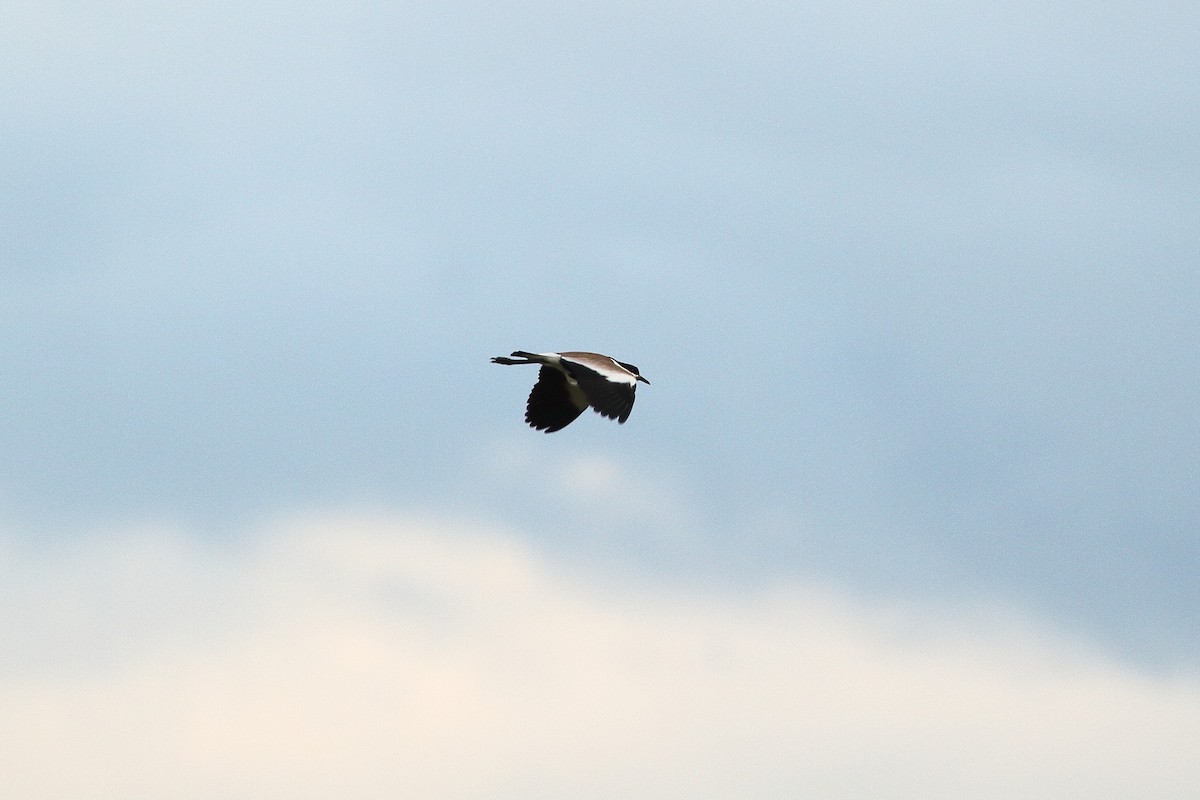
392	657
608	488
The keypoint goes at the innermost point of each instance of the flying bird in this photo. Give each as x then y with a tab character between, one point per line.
570	382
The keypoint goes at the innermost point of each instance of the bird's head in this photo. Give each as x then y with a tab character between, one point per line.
635	372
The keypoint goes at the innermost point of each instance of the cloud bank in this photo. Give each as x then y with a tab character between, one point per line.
393	656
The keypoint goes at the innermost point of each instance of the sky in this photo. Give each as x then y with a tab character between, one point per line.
910	506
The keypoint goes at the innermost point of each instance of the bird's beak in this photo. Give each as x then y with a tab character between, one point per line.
643	380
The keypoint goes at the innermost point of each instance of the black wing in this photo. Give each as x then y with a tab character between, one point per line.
612	399
550	407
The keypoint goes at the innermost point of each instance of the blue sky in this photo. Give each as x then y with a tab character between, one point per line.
915	285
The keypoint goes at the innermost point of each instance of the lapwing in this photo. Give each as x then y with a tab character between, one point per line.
570	382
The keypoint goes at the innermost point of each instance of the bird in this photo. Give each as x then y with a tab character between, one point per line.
570	381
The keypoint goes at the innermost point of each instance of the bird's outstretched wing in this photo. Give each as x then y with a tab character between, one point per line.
612	399
551	406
